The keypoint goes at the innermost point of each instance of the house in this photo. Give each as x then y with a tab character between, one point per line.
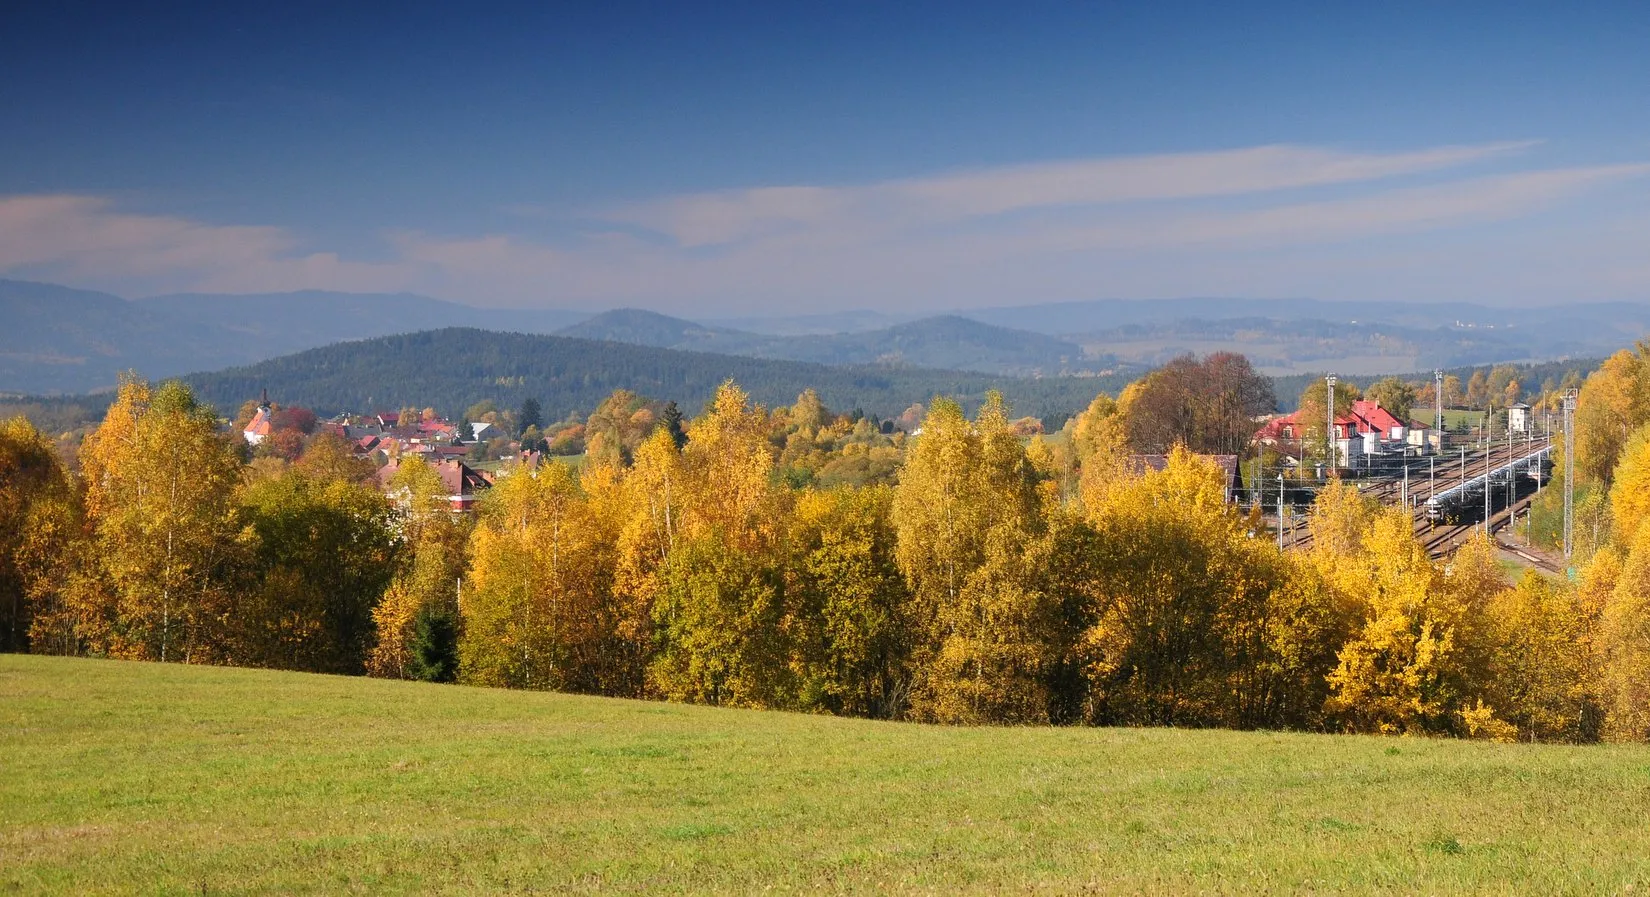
1379	420
1364	429
1518	418
258	429
459	482
483	431
1350	432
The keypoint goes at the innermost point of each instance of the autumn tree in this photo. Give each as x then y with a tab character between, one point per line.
423	594
970	520
617	427
720	592
1541	675
39	519
1207	406
323	554
1630	489
1099	445
1614	401
1194	623
1394	394
1625	646
160	504
1418	662
536	613
849	633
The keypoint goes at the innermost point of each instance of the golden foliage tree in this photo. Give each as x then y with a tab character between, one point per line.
1195	623
848	616
1630	489
323	552
160	490
39	522
719	600
1541	677
1625	644
1613	403
537	611
1418	661
971	523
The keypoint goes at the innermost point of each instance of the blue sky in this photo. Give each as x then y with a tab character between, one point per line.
767	157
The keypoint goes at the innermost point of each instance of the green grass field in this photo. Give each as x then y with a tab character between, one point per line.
121	777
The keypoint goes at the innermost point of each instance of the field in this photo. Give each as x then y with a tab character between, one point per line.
120	777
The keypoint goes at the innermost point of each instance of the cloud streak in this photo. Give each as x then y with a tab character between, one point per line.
1214	223
724	217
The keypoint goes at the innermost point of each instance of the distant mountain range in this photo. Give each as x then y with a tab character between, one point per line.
1289	336
64	341
71	341
59	340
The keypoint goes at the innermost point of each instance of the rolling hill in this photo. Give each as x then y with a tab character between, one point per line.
947	341
454	368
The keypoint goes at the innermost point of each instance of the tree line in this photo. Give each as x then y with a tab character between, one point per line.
991	578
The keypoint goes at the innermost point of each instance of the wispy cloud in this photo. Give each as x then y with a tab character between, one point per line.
84	239
724	217
1223	222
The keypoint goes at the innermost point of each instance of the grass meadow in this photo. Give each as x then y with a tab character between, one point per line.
143	778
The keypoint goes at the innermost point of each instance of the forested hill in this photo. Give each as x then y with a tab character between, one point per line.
949	342
454	368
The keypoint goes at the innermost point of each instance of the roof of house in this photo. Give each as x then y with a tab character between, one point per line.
1375	416
1366	416
457	478
260	423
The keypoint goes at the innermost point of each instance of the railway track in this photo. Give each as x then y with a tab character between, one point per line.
1428	477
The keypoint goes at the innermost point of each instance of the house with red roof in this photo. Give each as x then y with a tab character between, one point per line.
1365	428
262	423
461	483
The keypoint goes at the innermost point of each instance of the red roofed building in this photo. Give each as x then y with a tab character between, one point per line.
459	481
261	425
1375	419
1362	429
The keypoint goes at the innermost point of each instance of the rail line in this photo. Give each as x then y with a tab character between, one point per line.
1433	476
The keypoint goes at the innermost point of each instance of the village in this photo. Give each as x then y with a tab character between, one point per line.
1481	473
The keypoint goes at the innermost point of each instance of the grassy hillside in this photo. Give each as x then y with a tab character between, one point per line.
127	777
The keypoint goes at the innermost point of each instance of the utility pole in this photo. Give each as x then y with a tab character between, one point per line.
1489	457
1334	450
1569	474
1438	415
1280	511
